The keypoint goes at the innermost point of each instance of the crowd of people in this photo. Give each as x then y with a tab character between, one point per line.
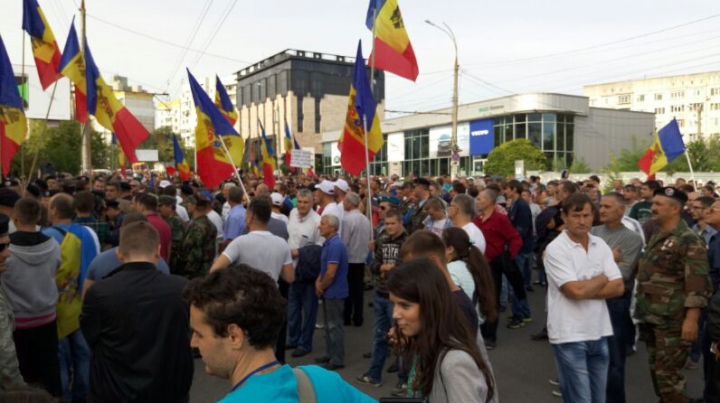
110	287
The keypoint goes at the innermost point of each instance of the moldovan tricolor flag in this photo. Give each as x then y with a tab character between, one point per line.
13	124
180	162
667	146
290	143
72	66
393	51
268	163
234	143
45	47
110	113
361	108
213	165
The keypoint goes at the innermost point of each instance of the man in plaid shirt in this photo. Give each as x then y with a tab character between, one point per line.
85	216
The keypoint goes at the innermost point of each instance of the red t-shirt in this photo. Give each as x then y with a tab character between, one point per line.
163	230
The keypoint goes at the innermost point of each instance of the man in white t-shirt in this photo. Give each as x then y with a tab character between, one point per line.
259	248
277	203
582	274
462	211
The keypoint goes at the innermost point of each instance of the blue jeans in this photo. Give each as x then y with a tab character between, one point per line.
619	309
74	355
524	263
302	315
383	320
521	308
583	370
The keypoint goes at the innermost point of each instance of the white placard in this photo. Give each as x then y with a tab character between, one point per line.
301	159
147	155
396	147
334	154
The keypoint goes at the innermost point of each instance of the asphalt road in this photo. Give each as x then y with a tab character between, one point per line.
522	366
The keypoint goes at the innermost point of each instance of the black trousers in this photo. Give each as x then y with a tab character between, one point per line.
356	287
37	351
499	266
284	288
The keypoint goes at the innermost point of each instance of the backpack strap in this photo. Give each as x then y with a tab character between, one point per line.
305	388
60	230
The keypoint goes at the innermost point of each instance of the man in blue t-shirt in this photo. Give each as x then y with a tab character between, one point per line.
332	287
236	315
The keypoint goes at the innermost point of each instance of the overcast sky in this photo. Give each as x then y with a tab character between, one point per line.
505	47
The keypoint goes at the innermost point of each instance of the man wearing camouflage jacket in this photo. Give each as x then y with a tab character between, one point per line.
673	286
10	377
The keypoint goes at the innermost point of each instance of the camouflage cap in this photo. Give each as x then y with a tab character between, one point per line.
672	193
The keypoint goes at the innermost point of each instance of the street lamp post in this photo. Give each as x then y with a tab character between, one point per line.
453	140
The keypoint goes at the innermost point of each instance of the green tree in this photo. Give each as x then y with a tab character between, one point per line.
501	160
579	166
62	147
100	151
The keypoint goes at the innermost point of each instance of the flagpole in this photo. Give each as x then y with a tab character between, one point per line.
368	206
25	85
692	174
235	169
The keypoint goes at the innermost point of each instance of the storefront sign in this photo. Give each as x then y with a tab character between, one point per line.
481	137
396	147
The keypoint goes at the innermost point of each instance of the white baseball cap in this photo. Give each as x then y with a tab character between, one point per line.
164	183
342	185
277	199
326	187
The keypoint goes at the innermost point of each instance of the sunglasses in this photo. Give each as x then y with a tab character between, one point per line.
4	246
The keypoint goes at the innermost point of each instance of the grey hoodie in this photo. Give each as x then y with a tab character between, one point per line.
29	278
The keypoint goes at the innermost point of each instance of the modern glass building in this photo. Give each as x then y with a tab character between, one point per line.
564	127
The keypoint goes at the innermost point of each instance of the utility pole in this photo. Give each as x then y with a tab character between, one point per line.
453	139
86	148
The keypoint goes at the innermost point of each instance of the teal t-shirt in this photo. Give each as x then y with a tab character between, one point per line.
280	386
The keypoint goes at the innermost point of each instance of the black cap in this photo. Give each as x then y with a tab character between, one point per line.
673	193
4	224
112	204
33	190
8	197
10	182
41	184
125	186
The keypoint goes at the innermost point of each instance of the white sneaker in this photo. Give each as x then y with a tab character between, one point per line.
554	382
556	393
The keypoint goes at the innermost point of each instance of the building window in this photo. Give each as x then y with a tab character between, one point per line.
318	116
677	94
624	99
715	91
715	107
641	98
658	97
696	106
677	108
681	122
660	111
300	118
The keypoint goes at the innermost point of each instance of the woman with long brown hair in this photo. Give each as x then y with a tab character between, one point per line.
471	272
447	363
